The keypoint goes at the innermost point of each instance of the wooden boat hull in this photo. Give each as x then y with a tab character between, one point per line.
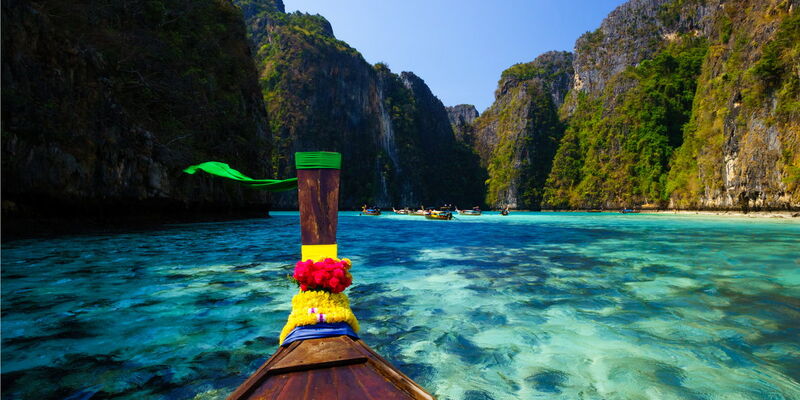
338	367
442	216
373	213
468	212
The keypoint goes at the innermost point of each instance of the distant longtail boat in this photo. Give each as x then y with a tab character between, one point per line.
474	211
370	211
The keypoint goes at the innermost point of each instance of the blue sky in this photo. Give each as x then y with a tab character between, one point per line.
459	47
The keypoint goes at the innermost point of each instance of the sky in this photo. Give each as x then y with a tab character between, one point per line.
458	47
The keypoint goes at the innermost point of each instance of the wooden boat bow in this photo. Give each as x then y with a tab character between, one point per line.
330	368
337	366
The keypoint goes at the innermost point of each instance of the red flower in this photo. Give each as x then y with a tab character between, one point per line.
328	275
333	283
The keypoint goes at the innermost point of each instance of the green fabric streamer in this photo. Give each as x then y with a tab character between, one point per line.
318	159
225	171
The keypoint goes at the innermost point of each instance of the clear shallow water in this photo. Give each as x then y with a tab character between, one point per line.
533	305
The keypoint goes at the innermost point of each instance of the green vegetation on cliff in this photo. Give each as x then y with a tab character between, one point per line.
432	165
393	133
742	146
105	102
618	146
518	135
528	130
301	65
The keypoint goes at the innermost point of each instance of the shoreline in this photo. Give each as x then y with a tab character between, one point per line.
720	213
731	213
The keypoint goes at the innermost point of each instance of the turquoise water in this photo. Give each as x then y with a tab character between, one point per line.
533	305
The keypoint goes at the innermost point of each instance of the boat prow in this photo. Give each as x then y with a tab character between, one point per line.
338	367
321	356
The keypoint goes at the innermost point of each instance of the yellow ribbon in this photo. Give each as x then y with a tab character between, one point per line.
318	251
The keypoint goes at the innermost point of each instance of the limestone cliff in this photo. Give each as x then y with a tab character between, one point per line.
461	118
395	138
633	32
105	102
517	136
741	149
684	104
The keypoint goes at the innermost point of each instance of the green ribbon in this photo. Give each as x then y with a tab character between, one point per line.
225	171
317	160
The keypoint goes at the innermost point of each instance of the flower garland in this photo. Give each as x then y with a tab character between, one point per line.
328	274
320	299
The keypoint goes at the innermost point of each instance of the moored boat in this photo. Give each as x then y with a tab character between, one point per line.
474	211
320	354
370	211
404	211
629	211
439	214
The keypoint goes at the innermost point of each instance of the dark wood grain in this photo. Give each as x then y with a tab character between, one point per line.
400	380
296	387
319	353
320	383
270	388
373	379
318	197
377	385
254	381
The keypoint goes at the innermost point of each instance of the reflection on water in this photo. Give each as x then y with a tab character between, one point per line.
539	305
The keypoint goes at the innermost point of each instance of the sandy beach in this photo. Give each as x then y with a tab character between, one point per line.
722	213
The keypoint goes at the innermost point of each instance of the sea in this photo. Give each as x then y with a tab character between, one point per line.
524	306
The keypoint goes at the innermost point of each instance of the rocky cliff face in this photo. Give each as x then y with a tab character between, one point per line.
673	103
741	148
322	95
449	172
461	118
105	103
462	114
686	104
517	136
633	32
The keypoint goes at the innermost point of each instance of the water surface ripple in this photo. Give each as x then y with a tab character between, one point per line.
533	305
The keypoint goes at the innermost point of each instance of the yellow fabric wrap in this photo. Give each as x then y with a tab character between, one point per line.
335	306
318	251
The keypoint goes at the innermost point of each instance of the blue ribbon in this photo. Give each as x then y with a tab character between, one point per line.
319	331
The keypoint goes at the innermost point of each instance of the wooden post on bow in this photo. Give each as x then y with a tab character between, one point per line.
318	198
